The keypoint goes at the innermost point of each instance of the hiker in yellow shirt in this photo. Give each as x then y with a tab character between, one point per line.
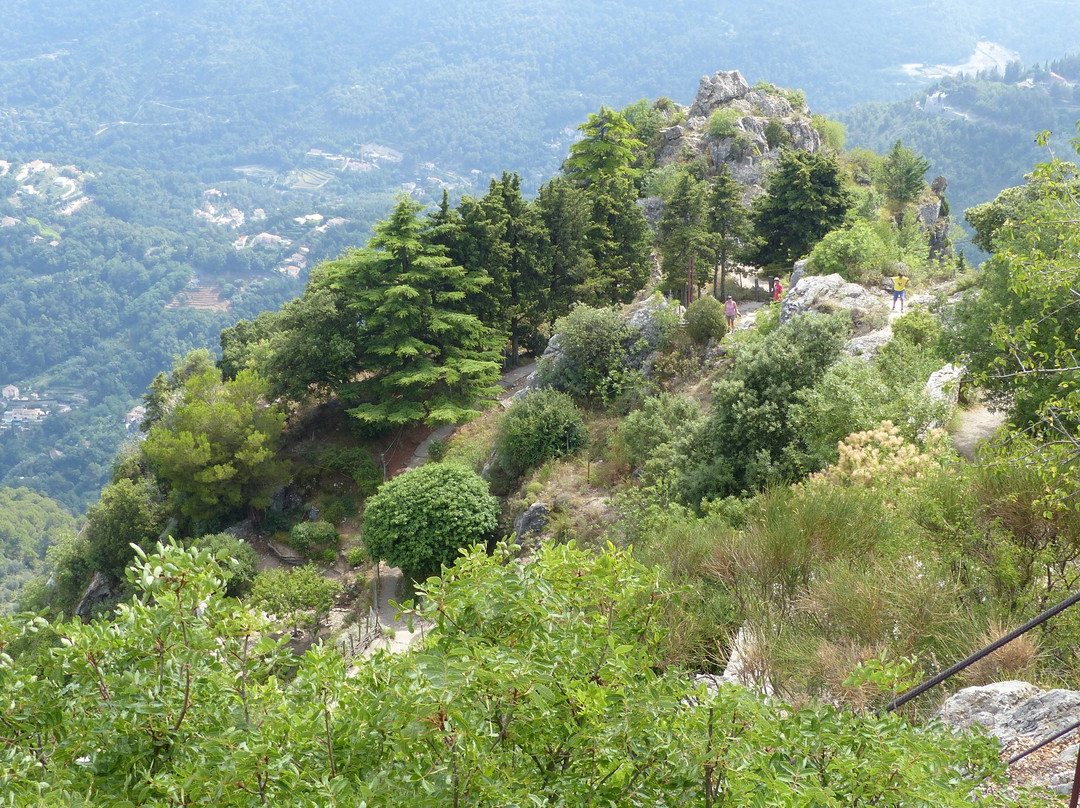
899	286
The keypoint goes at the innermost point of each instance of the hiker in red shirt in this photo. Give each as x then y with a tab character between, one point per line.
777	290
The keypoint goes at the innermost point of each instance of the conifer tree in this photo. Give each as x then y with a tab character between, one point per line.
729	226
684	241
422	356
607	149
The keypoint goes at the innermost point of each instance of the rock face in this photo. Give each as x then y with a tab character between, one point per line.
1020	715
797	273
532	520
723	88
100	589
829	293
944	384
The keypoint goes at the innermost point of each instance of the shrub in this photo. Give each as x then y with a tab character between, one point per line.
857	253
750	439
419	520
723	123
544	425
301	596
918	327
238	561
601	354
705	319
356	555
308	536
660	420
354	462
776	135
437	450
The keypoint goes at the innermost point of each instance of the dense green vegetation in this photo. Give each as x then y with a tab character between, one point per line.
978	130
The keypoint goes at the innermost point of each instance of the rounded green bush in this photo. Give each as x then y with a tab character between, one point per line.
544	425
705	320
240	565
419	520
306	535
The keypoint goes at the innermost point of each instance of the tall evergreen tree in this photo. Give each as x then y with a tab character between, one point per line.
607	149
902	174
568	264
683	232
729	226
422	356
618	240
807	198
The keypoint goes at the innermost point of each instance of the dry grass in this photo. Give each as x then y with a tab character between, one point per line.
1017	660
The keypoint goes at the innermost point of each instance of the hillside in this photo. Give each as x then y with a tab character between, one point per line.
979	130
709	500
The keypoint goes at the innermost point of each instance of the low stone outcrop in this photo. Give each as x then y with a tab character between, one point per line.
829	293
944	384
532	520
1020	715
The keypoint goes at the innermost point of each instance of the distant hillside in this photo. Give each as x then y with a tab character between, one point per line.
472	84
979	131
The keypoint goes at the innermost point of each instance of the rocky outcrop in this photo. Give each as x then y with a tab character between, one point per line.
532	520
829	293
100	590
747	152
1020	715
713	93
867	346
944	384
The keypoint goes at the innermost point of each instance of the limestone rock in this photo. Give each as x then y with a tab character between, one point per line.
988	705
866	347
723	88
100	589
652	207
944	384
797	273
532	520
829	293
649	315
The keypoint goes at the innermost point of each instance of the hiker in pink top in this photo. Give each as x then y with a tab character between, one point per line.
731	311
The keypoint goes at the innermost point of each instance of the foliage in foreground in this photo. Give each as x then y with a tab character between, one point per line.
538	685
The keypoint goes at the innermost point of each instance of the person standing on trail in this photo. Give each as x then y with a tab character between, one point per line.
777	290
899	286
731	311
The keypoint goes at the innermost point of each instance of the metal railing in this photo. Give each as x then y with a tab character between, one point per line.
929	684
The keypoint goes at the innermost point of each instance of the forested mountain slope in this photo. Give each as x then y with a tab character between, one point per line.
979	131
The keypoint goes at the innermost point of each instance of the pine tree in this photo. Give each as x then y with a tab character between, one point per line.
729	226
684	241
422	356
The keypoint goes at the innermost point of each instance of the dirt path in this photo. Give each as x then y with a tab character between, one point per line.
977	424
388	580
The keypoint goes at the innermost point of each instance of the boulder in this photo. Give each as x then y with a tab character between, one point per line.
797	273
652	208
723	88
1012	710
987	705
831	293
532	520
866	347
650	316
944	384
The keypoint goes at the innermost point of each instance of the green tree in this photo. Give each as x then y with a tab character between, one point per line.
684	237
618	241
422	356
565	211
421	519
606	150
807	198
729	226
901	175
129	512
216	450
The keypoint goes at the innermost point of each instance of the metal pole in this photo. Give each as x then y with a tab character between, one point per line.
915	692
